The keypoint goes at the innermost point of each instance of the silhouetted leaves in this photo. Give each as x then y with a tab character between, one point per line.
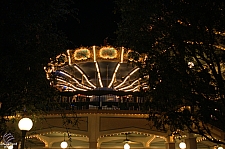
172	34
28	38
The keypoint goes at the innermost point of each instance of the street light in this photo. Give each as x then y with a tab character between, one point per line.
182	145
126	146
25	124
220	147
64	144
10	146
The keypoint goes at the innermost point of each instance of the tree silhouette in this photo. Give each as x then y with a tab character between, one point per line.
184	45
28	38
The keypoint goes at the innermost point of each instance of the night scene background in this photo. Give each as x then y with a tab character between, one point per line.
95	21
178	45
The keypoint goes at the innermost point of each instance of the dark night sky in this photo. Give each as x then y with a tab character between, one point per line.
96	21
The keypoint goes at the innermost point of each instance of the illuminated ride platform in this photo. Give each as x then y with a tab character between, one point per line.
105	91
97	77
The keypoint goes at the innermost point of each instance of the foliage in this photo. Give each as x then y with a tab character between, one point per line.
29	37
183	41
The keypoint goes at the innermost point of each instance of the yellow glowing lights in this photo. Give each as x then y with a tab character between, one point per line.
94	54
99	74
133	56
114	75
75	66
71	85
61	59
76	80
121	58
82	54
108	53
71	72
219	47
69	59
127	77
201	139
126	146
129	86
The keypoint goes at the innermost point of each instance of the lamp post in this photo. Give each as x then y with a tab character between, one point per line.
182	145
25	124
64	144
126	146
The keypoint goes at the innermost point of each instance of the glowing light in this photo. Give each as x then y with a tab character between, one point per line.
75	80
133	56
25	124
191	64
132	72
133	89
67	87
66	76
126	146
61	59
64	144
220	33
219	47
131	85
108	53
68	52
121	57
75	66
77	88
99	75
82	54
94	53
182	145
36	136
10	146
114	75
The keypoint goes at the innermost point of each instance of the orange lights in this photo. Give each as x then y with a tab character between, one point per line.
61	59
82	54
127	77
108	53
88	68
133	56
114	75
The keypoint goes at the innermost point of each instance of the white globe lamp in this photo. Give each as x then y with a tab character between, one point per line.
10	146
64	144
126	146
25	124
182	145
220	147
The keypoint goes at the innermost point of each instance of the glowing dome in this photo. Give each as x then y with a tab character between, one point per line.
95	68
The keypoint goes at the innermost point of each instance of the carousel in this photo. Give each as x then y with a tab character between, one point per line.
97	74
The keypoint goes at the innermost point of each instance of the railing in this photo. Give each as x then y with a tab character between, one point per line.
55	106
105	101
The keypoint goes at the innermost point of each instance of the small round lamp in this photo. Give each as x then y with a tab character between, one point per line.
182	145
126	146
64	144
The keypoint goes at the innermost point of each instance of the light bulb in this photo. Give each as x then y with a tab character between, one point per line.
64	144
126	146
10	146
25	124
182	145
